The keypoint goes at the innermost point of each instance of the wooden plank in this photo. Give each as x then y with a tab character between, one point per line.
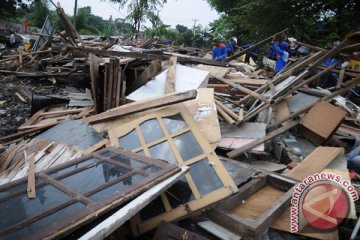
94	70
323	119
140	106
340	79
227	110
171	76
242	89
106	83
95	147
31	191
237	152
118	87
149	73
225	116
282	110
250	81
182	58
111	83
315	162
115	82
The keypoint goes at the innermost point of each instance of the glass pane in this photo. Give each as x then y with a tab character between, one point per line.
152	169
187	146
153	209
18	188
175	123
163	151
93	177
151	130
130	162
142	153
21	207
205	177
180	193
130	141
53	219
117	187
73	167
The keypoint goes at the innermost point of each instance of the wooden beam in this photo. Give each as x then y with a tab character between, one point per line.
141	106
311	46
327	55
236	55
277	132
183	58
171	76
31	191
242	89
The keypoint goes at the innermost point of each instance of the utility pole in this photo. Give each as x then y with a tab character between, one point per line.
74	18
195	20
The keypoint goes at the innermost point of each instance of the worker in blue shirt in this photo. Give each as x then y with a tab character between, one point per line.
230	47
282	53
219	52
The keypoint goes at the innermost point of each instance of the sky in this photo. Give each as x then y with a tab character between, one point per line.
182	12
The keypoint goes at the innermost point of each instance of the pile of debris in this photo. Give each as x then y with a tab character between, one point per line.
118	140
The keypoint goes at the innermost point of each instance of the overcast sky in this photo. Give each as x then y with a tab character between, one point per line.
174	11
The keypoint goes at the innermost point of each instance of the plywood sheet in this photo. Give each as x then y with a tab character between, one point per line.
318	160
258	203
323	118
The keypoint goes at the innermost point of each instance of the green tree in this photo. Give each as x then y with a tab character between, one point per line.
181	28
140	10
38	12
9	8
256	19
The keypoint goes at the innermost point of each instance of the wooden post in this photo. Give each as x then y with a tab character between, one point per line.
340	79
171	76
225	116
227	110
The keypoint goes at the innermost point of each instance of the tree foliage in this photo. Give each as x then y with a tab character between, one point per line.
139	11
313	19
8	8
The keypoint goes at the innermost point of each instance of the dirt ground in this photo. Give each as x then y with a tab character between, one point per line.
13	111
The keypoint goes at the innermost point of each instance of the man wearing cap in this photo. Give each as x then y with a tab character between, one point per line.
219	52
282	53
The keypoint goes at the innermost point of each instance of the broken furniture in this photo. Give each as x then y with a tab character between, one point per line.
255	207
